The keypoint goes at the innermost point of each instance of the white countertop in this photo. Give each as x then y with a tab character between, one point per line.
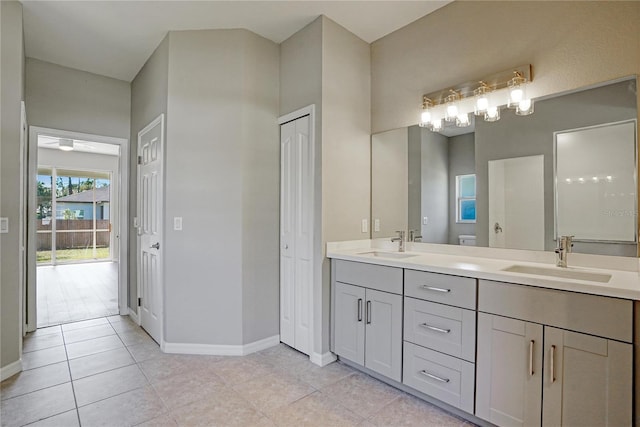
623	284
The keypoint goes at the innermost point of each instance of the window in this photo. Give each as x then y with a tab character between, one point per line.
466	198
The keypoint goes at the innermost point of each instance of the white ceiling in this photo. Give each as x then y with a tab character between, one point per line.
115	38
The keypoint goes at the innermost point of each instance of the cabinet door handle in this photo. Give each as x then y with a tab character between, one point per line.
531	344
435	377
552	365
368	312
431	288
359	309
435	328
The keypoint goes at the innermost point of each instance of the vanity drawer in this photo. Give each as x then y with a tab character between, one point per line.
442	288
592	314
380	277
446	378
443	328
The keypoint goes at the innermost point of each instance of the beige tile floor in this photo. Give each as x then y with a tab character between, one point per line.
73	292
109	372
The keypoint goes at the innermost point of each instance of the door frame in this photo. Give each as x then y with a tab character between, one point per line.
315	319
160	295
123	190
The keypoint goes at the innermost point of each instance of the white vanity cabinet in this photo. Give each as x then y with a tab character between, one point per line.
367	327
544	369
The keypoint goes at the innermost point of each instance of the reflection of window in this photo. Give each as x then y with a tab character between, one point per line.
466	198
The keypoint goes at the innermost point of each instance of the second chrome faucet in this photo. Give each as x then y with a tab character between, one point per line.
400	239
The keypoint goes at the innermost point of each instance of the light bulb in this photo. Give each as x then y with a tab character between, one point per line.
436	125
525	107
492	114
425	119
482	104
462	120
452	112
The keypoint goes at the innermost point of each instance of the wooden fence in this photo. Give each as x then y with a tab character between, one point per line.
71	234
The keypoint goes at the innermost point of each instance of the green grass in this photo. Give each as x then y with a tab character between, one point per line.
63	255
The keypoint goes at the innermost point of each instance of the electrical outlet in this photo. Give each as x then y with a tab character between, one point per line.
376	225
365	226
425	220
4	225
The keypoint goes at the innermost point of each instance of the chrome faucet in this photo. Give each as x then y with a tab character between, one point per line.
400	240
565	243
413	237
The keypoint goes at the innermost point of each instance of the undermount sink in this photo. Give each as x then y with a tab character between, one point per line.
381	254
560	272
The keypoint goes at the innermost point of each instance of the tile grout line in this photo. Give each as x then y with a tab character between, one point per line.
73	390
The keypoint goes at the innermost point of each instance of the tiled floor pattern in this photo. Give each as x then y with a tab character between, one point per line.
108	372
73	292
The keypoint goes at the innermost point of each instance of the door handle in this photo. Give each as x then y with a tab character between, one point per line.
368	312
359	309
155	246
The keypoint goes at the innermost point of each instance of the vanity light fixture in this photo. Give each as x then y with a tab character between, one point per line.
65	144
483	98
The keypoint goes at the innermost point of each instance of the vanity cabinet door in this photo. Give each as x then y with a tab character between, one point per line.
349	322
509	371
587	380
383	342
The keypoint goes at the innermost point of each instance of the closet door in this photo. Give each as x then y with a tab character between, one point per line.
296	234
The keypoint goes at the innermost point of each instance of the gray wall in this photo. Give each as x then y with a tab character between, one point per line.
222	107
148	101
570	44
515	136
326	65
67	99
12	89
435	187
261	190
461	162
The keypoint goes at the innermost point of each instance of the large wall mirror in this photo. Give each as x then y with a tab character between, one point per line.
504	184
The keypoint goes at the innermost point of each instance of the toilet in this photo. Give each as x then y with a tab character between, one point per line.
467	239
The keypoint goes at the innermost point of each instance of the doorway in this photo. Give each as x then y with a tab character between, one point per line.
77	227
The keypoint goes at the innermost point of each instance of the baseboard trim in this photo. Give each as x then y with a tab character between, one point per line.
220	350
10	370
322	359
133	314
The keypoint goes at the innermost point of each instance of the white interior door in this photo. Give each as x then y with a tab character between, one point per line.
150	224
516	203
296	234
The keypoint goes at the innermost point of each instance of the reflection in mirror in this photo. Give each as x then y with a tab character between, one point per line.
432	161
520	222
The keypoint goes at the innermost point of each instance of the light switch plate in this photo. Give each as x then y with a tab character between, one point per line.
365	226
425	220
376	225
4	225
177	223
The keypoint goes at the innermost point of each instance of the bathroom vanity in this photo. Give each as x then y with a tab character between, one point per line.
497	340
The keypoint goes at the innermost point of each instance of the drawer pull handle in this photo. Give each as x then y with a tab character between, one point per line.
531	344
435	328
435	377
431	288
553	367
359	309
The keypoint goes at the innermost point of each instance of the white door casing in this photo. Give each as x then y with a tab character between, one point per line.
150	227
296	233
120	233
